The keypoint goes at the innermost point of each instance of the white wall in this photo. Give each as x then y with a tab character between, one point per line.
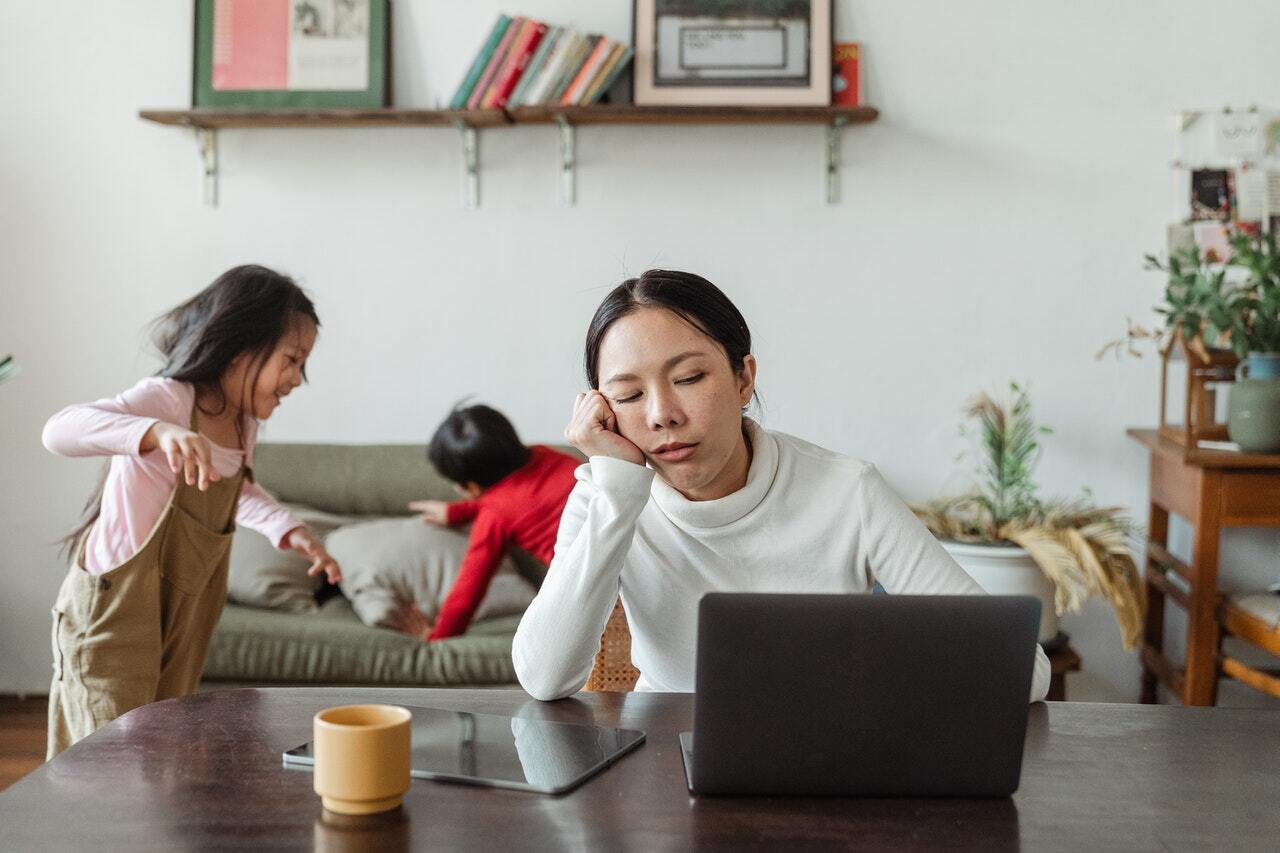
993	227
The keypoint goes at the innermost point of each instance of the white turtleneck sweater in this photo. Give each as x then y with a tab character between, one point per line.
807	520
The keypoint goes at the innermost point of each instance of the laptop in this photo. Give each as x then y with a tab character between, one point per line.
861	695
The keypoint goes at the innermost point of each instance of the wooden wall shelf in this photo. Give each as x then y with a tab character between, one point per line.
207	122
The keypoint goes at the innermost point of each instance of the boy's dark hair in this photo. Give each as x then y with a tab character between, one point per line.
476	444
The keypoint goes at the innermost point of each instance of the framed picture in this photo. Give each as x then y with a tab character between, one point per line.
291	53
732	52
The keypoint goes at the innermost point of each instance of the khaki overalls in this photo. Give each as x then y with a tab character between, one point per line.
140	632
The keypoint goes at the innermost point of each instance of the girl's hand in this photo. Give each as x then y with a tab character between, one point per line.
593	429
189	453
301	540
433	512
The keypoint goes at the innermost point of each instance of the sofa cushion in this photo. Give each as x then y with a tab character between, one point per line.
331	646
390	562
263	576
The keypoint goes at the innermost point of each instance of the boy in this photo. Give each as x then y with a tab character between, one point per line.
515	495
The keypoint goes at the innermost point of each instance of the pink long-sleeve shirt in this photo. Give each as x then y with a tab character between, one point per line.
139	485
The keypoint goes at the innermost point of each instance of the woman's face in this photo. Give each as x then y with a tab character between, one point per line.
676	398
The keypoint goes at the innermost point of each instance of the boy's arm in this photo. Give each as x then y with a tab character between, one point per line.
461	512
483	556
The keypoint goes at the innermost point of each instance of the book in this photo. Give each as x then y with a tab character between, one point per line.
553	70
531	70
613	66
523	52
478	65
571	67
589	68
846	79
499	54
513	48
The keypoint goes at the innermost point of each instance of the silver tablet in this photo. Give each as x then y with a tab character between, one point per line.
504	752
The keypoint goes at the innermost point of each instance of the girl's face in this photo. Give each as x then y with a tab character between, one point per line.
281	371
676	397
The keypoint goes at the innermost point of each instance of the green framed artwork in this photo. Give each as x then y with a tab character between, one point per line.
306	54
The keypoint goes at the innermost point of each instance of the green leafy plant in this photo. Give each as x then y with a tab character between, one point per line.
1207	307
1260	328
1082	549
8	367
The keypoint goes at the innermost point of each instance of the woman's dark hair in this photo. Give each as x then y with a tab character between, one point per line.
247	309
476	445
692	297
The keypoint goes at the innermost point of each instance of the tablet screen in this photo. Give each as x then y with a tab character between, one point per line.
505	752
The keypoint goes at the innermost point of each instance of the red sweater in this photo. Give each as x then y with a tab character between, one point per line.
521	509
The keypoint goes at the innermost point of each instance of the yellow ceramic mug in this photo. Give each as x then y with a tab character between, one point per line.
362	757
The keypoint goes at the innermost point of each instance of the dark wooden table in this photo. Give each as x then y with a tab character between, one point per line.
204	772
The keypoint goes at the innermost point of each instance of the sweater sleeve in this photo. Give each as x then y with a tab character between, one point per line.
114	426
484	554
559	634
461	512
259	511
906	558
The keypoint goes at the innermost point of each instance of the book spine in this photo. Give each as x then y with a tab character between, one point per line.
534	67
572	68
605	79
555	67
507	85
479	63
606	66
487	101
499	54
589	68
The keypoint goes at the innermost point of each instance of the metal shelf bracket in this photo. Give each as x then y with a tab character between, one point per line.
568	163
833	159
207	138
470	165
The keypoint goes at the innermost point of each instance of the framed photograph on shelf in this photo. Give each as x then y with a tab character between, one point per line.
732	52
305	54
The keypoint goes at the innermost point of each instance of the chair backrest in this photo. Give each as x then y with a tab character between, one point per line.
613	671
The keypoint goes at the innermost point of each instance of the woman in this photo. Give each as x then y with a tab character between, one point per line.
684	495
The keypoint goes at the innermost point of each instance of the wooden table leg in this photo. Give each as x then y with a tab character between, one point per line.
1153	627
1202	623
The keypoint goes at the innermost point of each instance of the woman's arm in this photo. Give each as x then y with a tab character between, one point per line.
559	634
906	558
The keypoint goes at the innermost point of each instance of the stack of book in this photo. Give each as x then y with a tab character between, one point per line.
526	63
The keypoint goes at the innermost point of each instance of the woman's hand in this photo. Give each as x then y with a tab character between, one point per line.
432	512
301	540
189	453
593	429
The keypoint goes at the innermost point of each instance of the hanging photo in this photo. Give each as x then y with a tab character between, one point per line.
732	52
291	53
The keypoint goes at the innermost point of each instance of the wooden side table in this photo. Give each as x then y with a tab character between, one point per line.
1212	489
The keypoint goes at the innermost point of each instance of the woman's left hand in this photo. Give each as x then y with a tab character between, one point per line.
301	540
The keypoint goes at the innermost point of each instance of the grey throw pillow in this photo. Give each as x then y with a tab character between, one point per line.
389	562
262	576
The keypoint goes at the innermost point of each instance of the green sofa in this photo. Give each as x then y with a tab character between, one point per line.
330	645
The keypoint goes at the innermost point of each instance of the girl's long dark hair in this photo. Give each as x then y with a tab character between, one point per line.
246	310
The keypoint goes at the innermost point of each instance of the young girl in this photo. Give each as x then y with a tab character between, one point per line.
148	575
684	495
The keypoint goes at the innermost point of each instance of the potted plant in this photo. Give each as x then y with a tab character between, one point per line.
1012	542
1253	414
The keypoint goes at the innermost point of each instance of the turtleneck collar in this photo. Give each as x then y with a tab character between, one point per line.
728	509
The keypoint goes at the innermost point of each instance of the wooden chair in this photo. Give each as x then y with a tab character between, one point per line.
613	671
1255	619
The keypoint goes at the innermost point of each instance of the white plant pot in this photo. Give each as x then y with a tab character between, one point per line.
1008	570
